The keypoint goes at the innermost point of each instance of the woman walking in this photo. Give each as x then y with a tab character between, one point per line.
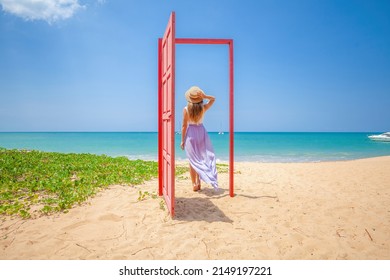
195	140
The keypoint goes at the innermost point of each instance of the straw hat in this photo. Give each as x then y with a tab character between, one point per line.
193	95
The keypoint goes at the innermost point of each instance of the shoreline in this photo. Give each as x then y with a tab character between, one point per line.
253	146
181	160
326	210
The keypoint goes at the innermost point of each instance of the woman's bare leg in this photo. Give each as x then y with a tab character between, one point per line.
195	179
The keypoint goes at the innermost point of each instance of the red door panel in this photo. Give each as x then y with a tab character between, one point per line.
167	99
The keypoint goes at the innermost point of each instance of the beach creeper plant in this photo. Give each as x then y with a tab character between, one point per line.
51	182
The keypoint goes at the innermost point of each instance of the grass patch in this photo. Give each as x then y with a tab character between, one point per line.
182	169
222	168
52	182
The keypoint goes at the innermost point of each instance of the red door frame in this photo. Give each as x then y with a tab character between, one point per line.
228	42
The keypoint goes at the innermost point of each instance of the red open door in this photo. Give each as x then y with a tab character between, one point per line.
167	115
166	110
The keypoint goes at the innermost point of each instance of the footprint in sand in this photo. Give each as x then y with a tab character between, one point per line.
75	225
110	217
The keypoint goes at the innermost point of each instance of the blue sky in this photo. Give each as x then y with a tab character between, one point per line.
305	65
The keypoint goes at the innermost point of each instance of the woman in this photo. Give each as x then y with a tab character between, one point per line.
196	141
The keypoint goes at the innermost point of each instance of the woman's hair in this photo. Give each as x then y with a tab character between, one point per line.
195	111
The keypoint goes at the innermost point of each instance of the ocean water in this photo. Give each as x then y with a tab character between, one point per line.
249	146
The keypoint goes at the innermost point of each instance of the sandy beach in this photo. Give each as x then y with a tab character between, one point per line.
327	210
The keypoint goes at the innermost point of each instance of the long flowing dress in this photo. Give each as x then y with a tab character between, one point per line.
201	154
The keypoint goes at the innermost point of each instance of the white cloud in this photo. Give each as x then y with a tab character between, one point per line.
48	10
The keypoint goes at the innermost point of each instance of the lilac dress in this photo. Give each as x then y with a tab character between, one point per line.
200	152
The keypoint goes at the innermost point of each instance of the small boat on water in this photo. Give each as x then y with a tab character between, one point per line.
381	137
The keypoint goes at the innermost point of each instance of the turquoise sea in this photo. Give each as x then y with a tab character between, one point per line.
249	146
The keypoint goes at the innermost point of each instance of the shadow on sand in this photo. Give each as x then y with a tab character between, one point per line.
199	209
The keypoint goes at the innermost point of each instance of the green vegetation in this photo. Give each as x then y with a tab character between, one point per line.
181	169
51	182
222	168
145	195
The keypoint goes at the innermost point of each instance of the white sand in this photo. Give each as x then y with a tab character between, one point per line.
331	210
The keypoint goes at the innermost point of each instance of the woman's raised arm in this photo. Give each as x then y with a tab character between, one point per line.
210	103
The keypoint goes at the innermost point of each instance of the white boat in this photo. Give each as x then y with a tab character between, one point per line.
381	137
220	131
